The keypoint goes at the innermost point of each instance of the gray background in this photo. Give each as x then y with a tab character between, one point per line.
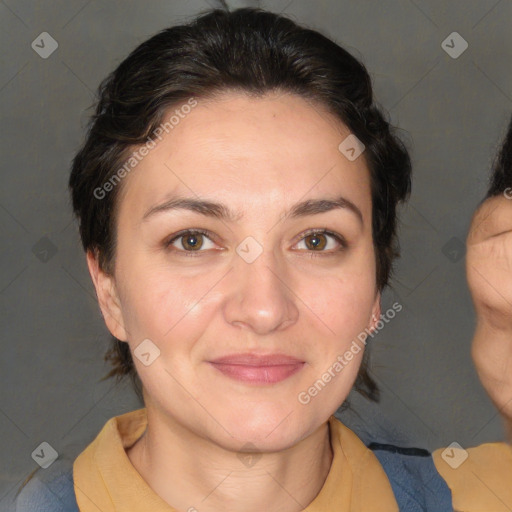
453	112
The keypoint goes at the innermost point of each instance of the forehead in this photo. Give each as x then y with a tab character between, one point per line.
250	153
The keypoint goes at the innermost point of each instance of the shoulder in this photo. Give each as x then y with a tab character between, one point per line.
49	489
478	477
413	478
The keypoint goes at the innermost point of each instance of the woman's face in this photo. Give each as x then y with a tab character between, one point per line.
256	284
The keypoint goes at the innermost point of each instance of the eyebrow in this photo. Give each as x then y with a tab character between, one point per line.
221	211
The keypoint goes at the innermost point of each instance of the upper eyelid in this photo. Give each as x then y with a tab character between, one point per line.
185	232
322	231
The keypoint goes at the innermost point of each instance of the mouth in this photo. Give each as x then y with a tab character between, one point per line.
255	369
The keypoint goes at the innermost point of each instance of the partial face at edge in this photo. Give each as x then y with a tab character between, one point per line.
198	298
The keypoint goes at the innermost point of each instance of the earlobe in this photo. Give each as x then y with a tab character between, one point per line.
108	298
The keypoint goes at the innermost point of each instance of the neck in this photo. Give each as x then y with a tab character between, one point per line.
192	473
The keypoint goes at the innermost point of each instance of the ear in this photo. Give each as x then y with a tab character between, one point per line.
107	297
376	312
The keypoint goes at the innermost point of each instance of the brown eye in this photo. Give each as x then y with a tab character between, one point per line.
323	241
315	241
193	241
190	241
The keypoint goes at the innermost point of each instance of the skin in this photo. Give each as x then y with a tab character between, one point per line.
489	274
259	157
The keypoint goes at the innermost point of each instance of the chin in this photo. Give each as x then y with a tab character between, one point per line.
269	430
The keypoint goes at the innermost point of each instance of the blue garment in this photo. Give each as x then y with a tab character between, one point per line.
50	490
417	485
413	476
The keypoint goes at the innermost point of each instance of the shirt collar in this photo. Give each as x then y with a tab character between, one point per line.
105	479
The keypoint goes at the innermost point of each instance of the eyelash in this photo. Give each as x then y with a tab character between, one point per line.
307	233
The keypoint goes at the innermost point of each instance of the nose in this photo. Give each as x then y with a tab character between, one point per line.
261	298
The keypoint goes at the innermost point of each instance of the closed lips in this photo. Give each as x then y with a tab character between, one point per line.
257	360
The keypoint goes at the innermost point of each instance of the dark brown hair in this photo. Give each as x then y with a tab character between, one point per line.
249	50
501	174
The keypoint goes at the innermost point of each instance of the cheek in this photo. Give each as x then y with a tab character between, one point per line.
162	304
342	302
175	306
